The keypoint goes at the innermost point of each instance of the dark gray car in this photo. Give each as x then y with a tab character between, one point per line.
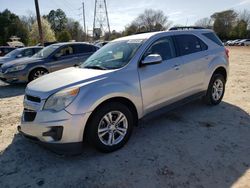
52	58
20	53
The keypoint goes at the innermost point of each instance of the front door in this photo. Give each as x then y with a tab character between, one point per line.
64	58
161	83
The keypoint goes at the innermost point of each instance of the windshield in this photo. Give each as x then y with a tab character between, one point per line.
114	55
13	53
46	52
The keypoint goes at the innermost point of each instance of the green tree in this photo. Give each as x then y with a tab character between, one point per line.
57	19
240	30
224	23
64	36
48	33
75	29
10	25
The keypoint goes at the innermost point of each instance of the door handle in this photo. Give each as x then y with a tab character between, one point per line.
176	67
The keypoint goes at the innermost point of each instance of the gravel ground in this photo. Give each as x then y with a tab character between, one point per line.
192	146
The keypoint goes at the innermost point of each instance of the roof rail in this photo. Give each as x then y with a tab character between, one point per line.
185	28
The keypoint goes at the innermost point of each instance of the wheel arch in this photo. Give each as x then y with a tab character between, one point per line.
34	68
123	100
221	70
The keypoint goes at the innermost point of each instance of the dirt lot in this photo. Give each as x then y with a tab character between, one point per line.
192	146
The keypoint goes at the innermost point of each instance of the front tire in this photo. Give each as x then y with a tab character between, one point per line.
37	73
110	127
216	90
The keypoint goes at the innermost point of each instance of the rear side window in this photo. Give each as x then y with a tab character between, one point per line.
27	52
85	49
36	50
213	38
164	47
65	51
189	44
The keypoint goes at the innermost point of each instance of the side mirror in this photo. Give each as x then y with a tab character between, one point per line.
152	59
19	56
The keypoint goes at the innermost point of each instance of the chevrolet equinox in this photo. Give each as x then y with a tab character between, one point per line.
102	100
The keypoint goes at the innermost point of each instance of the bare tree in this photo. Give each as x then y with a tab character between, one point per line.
29	19
150	20
245	16
204	22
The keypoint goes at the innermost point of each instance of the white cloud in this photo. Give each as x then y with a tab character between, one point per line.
243	2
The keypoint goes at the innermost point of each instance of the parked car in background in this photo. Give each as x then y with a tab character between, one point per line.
47	43
19	53
102	100
234	42
227	43
244	42
5	50
49	59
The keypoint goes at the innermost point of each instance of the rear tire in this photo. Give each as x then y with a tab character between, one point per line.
105	131
216	90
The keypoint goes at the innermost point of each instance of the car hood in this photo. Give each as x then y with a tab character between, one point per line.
22	61
5	60
49	84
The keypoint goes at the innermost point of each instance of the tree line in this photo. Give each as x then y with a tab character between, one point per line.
228	24
56	27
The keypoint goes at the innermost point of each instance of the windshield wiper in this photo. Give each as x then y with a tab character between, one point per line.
95	67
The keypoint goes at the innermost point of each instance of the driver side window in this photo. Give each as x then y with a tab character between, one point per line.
65	51
163	47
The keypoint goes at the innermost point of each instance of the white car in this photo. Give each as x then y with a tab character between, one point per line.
244	42
103	99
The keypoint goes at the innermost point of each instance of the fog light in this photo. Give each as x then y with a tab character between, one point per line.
55	133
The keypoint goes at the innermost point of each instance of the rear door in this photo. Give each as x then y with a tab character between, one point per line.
84	51
161	83
63	58
194	61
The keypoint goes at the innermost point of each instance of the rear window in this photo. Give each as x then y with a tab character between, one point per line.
213	38
189	44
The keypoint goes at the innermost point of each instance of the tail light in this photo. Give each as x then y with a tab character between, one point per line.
227	52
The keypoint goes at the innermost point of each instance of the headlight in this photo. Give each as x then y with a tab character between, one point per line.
61	99
16	68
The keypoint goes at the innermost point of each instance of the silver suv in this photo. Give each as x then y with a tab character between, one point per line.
102	100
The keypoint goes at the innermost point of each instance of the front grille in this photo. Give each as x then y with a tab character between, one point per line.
29	115
33	99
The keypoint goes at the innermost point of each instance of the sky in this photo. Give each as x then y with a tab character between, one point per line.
121	13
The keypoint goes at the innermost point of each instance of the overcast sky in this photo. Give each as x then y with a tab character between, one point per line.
123	12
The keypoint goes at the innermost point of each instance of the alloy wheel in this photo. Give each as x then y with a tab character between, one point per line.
112	128
218	88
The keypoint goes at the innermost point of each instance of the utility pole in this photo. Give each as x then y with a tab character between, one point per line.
84	21
39	22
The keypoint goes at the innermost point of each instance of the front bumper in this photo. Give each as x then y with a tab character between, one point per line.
15	77
59	131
